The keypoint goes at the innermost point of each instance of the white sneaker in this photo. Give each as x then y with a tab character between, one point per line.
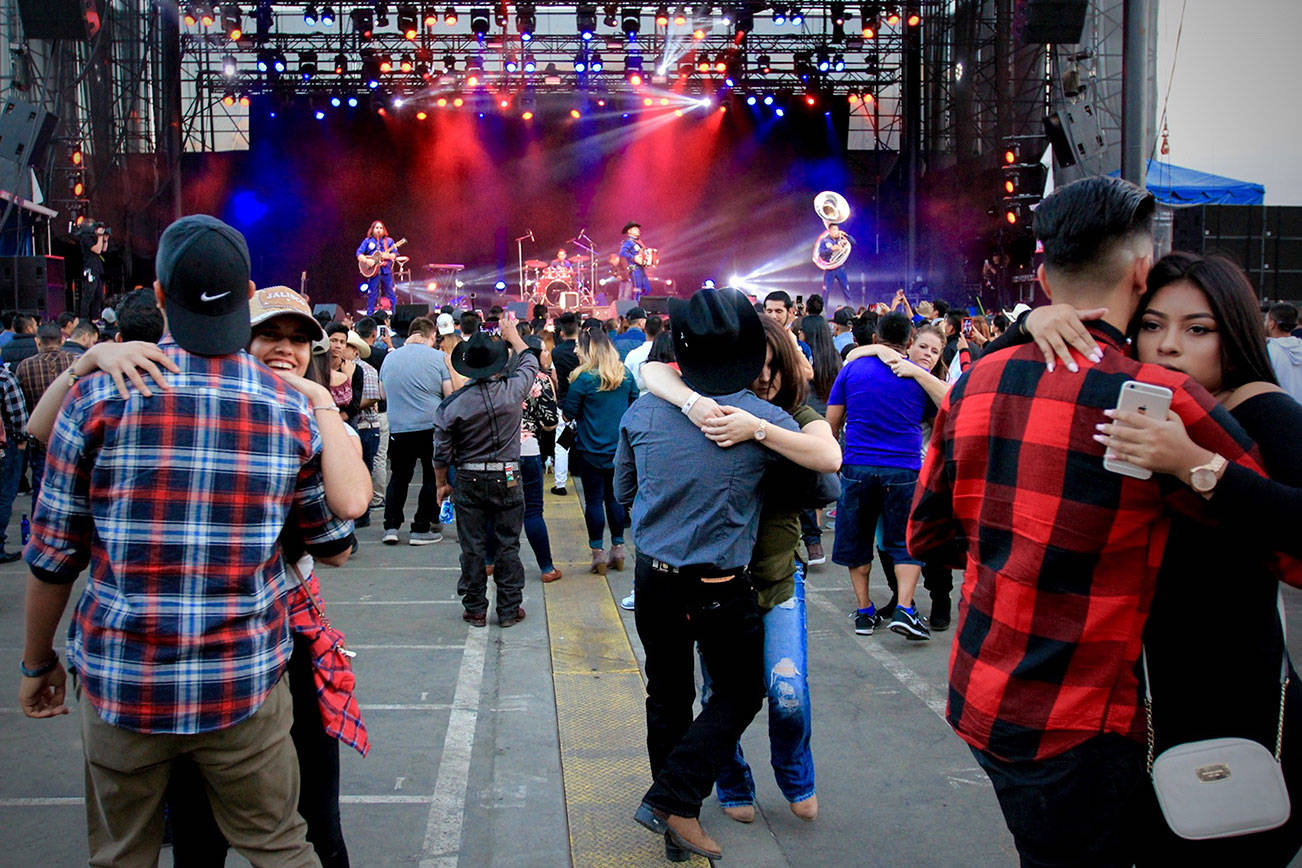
627	602
390	537
424	538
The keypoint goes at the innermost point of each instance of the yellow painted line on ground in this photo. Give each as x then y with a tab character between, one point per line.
600	708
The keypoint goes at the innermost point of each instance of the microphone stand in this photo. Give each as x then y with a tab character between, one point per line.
583	242
519	249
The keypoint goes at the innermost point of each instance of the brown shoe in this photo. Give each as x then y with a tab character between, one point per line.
511	620
598	562
806	809
687	833
617	557
475	619
551	575
741	813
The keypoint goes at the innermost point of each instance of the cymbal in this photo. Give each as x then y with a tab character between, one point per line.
581	258
534	263
403	259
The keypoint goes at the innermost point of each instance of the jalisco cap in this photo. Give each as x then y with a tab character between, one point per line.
718	339
446	324
273	301
355	341
203	267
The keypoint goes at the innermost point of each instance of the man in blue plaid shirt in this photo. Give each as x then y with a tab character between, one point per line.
176	502
13	409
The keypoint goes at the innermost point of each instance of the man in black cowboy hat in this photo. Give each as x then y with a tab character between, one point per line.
477	430
628	252
694	534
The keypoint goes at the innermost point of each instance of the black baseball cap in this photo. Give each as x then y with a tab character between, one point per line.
203	267
635	313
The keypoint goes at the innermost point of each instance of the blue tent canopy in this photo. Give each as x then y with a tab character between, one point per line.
1176	185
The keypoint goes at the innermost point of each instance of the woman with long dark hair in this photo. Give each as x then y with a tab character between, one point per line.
824	358
1200	316
778	575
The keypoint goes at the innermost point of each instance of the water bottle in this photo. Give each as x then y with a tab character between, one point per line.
27	529
445	512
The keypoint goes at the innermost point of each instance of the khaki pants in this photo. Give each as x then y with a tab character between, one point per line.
250	771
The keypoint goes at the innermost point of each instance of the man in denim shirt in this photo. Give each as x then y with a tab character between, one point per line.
694	533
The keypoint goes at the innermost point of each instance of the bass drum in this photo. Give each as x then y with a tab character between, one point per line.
554	281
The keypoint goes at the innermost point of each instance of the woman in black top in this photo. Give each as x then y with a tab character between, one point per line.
1200	317
825	359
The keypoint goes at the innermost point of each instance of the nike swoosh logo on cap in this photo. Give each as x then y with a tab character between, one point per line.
206	297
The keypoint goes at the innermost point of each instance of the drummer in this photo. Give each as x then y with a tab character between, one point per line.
562	260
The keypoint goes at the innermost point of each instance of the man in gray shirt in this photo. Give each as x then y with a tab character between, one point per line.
416	380
477	431
694	533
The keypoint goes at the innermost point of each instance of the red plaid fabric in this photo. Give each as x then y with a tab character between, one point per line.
335	684
1059	555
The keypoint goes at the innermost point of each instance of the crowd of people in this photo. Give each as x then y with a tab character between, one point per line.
724	438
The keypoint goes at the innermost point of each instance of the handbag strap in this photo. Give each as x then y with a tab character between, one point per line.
1283	689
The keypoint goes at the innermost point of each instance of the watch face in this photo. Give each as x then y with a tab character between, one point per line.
1202	479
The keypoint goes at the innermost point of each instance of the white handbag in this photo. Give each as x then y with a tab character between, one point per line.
1220	787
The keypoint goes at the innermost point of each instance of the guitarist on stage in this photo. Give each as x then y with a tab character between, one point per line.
377	246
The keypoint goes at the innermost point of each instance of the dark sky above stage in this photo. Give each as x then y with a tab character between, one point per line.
721	194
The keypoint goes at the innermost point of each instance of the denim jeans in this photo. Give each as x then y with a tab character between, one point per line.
810	532
674	613
11	471
599	491
535	528
869	494
488	508
370	438
786	660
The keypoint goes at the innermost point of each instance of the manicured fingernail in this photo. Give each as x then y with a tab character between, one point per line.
1110	413
1100	438
1101	426
1096	356
1073	367
1049	366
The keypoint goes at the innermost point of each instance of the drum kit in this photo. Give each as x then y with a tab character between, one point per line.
560	286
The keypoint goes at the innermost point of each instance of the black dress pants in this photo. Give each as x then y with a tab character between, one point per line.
405	450
674	613
487	506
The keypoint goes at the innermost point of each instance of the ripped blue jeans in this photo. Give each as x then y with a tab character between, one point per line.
786	662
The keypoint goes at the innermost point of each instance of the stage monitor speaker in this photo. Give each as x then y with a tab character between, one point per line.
33	284
59	19
1187	229
523	310
1057	136
25	132
655	304
1060	22
408	312
330	310
624	305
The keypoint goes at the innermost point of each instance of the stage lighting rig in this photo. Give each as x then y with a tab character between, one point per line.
823	60
872	21
680	17
363	23
382	14
408	21
327	18
479	23
526	21
595	65
230	68
585	20
450	16
765	64
307	65
341	64
232	22
581	63
838	62
795	16
630	21
529	64
633	70
836	9
779	16
662	16
309	15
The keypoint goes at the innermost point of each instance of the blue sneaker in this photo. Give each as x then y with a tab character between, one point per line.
909	625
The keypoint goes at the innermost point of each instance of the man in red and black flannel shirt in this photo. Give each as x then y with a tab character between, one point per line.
1059	554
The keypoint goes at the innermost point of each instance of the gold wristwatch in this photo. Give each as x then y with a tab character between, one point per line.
1204	477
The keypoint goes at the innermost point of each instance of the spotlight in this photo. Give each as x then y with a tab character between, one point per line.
611	19
407	21
527	116
363	22
76	157
837	10
768	99
307	64
335	102
595	65
431	17
405	63
512	64
680	17
309	15
576	114
327	16
479	22
449	63
232	22
720	63
795	17
341	64
228	99
699	33
838	62
319	114
872	20
264	61
352	102
386	64
278	61
585	19
526	21
580	63
779	111
382	14
206	15
703	64
500	286
811	100
229	67
751	100
765	63
779	16
743	22
450	17
630	20
633	70
662	16
892	16
914	19
823	60
529	64
191	16
685	68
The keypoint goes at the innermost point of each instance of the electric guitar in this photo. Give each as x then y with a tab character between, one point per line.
369	265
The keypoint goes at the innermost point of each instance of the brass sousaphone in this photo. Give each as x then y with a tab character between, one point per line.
831	208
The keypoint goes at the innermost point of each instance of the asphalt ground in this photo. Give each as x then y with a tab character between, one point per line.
522	746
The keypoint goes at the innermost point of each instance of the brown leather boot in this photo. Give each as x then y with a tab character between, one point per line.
598	562
687	833
740	813
806	809
617	557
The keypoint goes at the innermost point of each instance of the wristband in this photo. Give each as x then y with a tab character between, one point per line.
689	403
43	669
319	409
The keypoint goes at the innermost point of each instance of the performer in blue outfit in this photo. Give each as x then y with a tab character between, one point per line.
829	245
628	252
378	243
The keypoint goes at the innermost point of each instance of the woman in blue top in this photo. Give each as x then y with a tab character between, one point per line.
601	389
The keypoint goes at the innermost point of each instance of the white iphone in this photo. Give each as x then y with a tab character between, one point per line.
1137	397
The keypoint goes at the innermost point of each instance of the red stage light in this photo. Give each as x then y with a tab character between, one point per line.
893	19
528	116
81	218
678	112
854	99
574	113
702	66
420	116
648	101
635	79
662	19
244	101
1011	216
442	102
869	33
458	102
504	103
78	188
386	65
190	19
235	34
698	34
1010	186
381	111
664	100
720	66
207	18
472	80
431	19
76	157
410	33
809	99
432	286
914	19
1010	156
228	100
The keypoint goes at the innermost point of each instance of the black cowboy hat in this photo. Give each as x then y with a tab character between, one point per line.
628	226
718	339
480	357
